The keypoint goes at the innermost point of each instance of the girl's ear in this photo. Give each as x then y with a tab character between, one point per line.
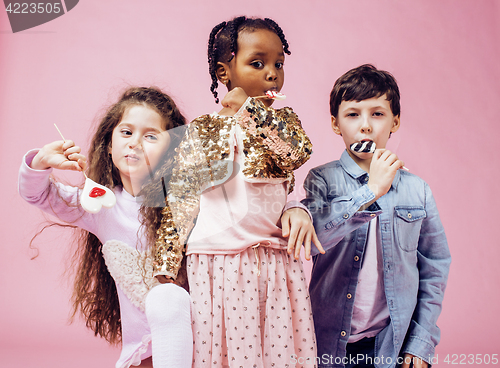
223	73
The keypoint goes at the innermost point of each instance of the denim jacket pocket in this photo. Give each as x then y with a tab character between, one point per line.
407	224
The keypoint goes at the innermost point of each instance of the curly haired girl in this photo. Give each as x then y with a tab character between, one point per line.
114	288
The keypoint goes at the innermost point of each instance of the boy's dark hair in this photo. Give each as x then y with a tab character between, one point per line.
362	83
223	45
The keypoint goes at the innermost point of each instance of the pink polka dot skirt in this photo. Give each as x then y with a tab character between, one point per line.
241	319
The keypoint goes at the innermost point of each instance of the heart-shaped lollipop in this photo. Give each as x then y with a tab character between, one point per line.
94	196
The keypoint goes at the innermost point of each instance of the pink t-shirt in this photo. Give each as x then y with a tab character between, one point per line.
370	312
237	214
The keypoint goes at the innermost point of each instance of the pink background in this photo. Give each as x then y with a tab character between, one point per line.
444	54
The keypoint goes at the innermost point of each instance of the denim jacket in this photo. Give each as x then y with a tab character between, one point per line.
416	260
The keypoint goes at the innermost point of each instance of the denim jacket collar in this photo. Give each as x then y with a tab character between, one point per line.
352	168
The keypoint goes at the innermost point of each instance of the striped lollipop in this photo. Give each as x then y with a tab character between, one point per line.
365	146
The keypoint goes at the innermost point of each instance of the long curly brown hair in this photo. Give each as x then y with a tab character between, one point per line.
94	293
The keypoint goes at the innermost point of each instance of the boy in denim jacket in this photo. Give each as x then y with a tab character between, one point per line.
377	292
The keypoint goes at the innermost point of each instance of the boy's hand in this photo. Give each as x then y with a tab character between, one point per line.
233	101
383	168
413	361
63	155
297	226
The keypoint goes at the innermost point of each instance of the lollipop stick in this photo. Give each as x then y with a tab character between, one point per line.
59	132
65	141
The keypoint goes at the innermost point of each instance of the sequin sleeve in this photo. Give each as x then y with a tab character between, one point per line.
183	205
279	130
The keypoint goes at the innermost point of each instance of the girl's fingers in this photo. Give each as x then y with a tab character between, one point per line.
317	243
76	157
307	246
67	144
70	165
83	164
298	245
299	242
292	239
71	150
75	161
285	225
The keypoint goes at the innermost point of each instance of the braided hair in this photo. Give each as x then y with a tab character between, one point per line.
223	42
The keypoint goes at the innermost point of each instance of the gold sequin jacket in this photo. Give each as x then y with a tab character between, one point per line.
274	144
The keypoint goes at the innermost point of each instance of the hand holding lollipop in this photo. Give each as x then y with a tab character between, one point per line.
367	147
94	196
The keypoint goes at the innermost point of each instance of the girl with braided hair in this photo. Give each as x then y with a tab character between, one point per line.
114	289
232	174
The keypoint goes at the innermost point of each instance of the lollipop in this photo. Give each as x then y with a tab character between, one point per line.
367	147
274	95
94	196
